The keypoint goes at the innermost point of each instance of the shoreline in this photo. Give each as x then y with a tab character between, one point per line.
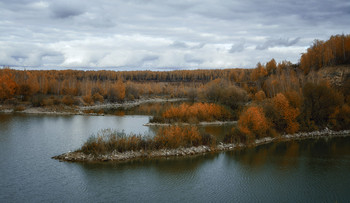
189	151
79	110
203	123
130	104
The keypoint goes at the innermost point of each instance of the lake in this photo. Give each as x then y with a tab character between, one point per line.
298	171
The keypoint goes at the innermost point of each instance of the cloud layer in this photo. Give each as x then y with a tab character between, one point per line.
163	34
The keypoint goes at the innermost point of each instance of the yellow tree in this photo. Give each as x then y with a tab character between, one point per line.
271	67
7	84
286	114
120	90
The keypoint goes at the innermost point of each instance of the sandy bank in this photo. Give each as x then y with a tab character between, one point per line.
129	155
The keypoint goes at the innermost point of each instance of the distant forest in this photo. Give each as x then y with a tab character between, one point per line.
284	97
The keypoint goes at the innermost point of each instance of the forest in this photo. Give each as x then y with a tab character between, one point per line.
272	98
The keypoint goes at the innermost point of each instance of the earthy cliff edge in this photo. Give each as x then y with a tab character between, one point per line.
129	155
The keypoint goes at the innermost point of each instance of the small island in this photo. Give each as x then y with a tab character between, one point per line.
174	142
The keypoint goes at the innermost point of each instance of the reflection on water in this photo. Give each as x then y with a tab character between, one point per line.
169	165
289	154
298	171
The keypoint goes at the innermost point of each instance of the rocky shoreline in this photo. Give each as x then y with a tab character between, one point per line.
130	155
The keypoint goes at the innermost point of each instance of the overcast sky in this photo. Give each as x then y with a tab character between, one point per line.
162	34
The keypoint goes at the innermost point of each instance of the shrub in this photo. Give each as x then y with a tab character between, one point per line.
208	139
97	97
68	100
177	136
88	99
37	100
235	136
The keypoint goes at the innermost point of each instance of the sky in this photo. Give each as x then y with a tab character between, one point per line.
163	34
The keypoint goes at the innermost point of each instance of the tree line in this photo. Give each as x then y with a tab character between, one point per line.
281	95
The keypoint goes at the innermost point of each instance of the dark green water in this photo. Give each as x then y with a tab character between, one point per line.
306	171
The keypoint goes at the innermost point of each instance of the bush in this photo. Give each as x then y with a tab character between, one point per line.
208	139
20	108
68	100
97	98
177	136
235	136
88	99
37	100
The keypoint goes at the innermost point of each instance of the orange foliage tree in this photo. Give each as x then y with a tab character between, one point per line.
116	91
7	84
335	51
286	114
253	123
196	112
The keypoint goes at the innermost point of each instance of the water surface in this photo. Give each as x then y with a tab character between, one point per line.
306	171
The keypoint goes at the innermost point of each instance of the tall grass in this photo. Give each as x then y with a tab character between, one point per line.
108	140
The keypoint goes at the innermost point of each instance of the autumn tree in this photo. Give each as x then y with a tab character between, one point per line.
195	113
340	118
286	115
7	84
271	67
320	100
335	51
116	92
253	123
233	97
260	96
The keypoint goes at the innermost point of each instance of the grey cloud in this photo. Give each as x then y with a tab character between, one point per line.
196	33
238	47
150	58
277	42
51	58
192	59
66	9
183	45
178	44
19	58
198	46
